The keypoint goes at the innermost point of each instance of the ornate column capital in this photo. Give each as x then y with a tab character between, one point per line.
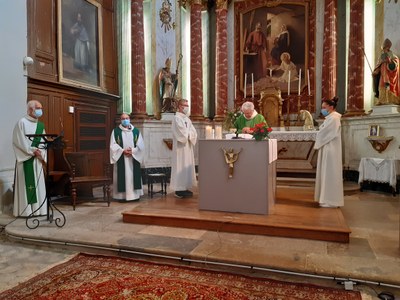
221	4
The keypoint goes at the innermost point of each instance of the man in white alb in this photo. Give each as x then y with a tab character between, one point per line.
29	184
126	154
184	136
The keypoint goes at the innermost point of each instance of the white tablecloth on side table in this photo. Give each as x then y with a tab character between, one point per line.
379	170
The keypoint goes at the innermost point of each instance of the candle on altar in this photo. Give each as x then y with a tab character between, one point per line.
299	81
252	85
308	82
288	84
208	132
235	88
245	83
218	131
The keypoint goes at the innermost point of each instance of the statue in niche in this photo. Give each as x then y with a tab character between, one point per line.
386	76
168	83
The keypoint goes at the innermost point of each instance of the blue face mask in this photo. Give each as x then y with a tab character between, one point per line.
324	112
38	113
125	122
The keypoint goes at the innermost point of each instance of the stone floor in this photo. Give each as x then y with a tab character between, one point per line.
371	259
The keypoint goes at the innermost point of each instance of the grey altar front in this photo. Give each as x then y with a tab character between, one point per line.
252	187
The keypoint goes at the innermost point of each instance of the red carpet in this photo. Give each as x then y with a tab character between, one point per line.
104	277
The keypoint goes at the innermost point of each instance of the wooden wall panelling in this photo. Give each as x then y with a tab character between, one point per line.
68	123
92	123
110	49
42	42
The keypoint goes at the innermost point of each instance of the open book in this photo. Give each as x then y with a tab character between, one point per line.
245	136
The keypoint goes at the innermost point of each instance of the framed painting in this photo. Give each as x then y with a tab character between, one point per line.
373	130
79	43
273	47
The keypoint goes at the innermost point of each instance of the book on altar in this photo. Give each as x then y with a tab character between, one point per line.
244	136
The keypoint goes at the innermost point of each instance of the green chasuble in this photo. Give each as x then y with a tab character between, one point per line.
137	183
242	122
30	180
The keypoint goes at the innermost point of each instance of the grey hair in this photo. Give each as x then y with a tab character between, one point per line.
247	105
182	101
31	105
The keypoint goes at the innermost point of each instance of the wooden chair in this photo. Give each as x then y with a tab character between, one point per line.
80	176
270	105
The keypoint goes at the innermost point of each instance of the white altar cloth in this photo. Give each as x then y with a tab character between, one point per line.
294	135
379	170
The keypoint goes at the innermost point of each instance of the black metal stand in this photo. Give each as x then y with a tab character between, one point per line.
47	141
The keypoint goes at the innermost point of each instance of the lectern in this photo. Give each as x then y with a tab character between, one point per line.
46	142
251	186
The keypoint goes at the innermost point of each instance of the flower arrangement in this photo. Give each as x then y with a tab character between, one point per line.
260	131
230	118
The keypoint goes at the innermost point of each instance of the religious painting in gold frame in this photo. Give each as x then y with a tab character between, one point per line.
268	32
79	37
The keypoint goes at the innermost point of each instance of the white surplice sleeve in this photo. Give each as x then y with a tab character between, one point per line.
181	129
115	150
328	131
192	134
138	151
22	144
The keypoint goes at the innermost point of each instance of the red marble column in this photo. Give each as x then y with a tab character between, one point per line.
138	65
355	91
329	62
196	72
221	78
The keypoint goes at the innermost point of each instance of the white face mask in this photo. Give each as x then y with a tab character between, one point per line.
186	110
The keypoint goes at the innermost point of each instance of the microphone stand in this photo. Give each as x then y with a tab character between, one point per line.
46	142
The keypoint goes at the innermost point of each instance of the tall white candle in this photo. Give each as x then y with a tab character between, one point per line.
235	88
208	132
245	83
288	84
252	85
308	82
218	131
299	81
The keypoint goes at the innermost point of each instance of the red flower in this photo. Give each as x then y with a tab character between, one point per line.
260	131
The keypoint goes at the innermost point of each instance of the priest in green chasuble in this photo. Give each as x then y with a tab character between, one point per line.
29	183
126	154
249	118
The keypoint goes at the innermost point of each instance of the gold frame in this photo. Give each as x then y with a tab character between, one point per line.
374	129
245	30
91	74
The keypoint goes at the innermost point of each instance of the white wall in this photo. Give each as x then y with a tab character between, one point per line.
13	88
392	23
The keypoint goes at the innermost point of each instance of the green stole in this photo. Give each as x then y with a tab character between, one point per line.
30	184
137	176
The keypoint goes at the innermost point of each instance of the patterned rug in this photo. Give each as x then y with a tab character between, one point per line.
105	277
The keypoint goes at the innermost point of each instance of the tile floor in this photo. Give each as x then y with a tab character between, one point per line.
371	259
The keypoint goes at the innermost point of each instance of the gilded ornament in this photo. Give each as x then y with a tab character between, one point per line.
165	16
230	158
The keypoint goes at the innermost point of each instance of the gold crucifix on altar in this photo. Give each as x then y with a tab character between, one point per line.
230	158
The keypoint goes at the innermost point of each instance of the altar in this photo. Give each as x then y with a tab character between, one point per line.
237	175
296	151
